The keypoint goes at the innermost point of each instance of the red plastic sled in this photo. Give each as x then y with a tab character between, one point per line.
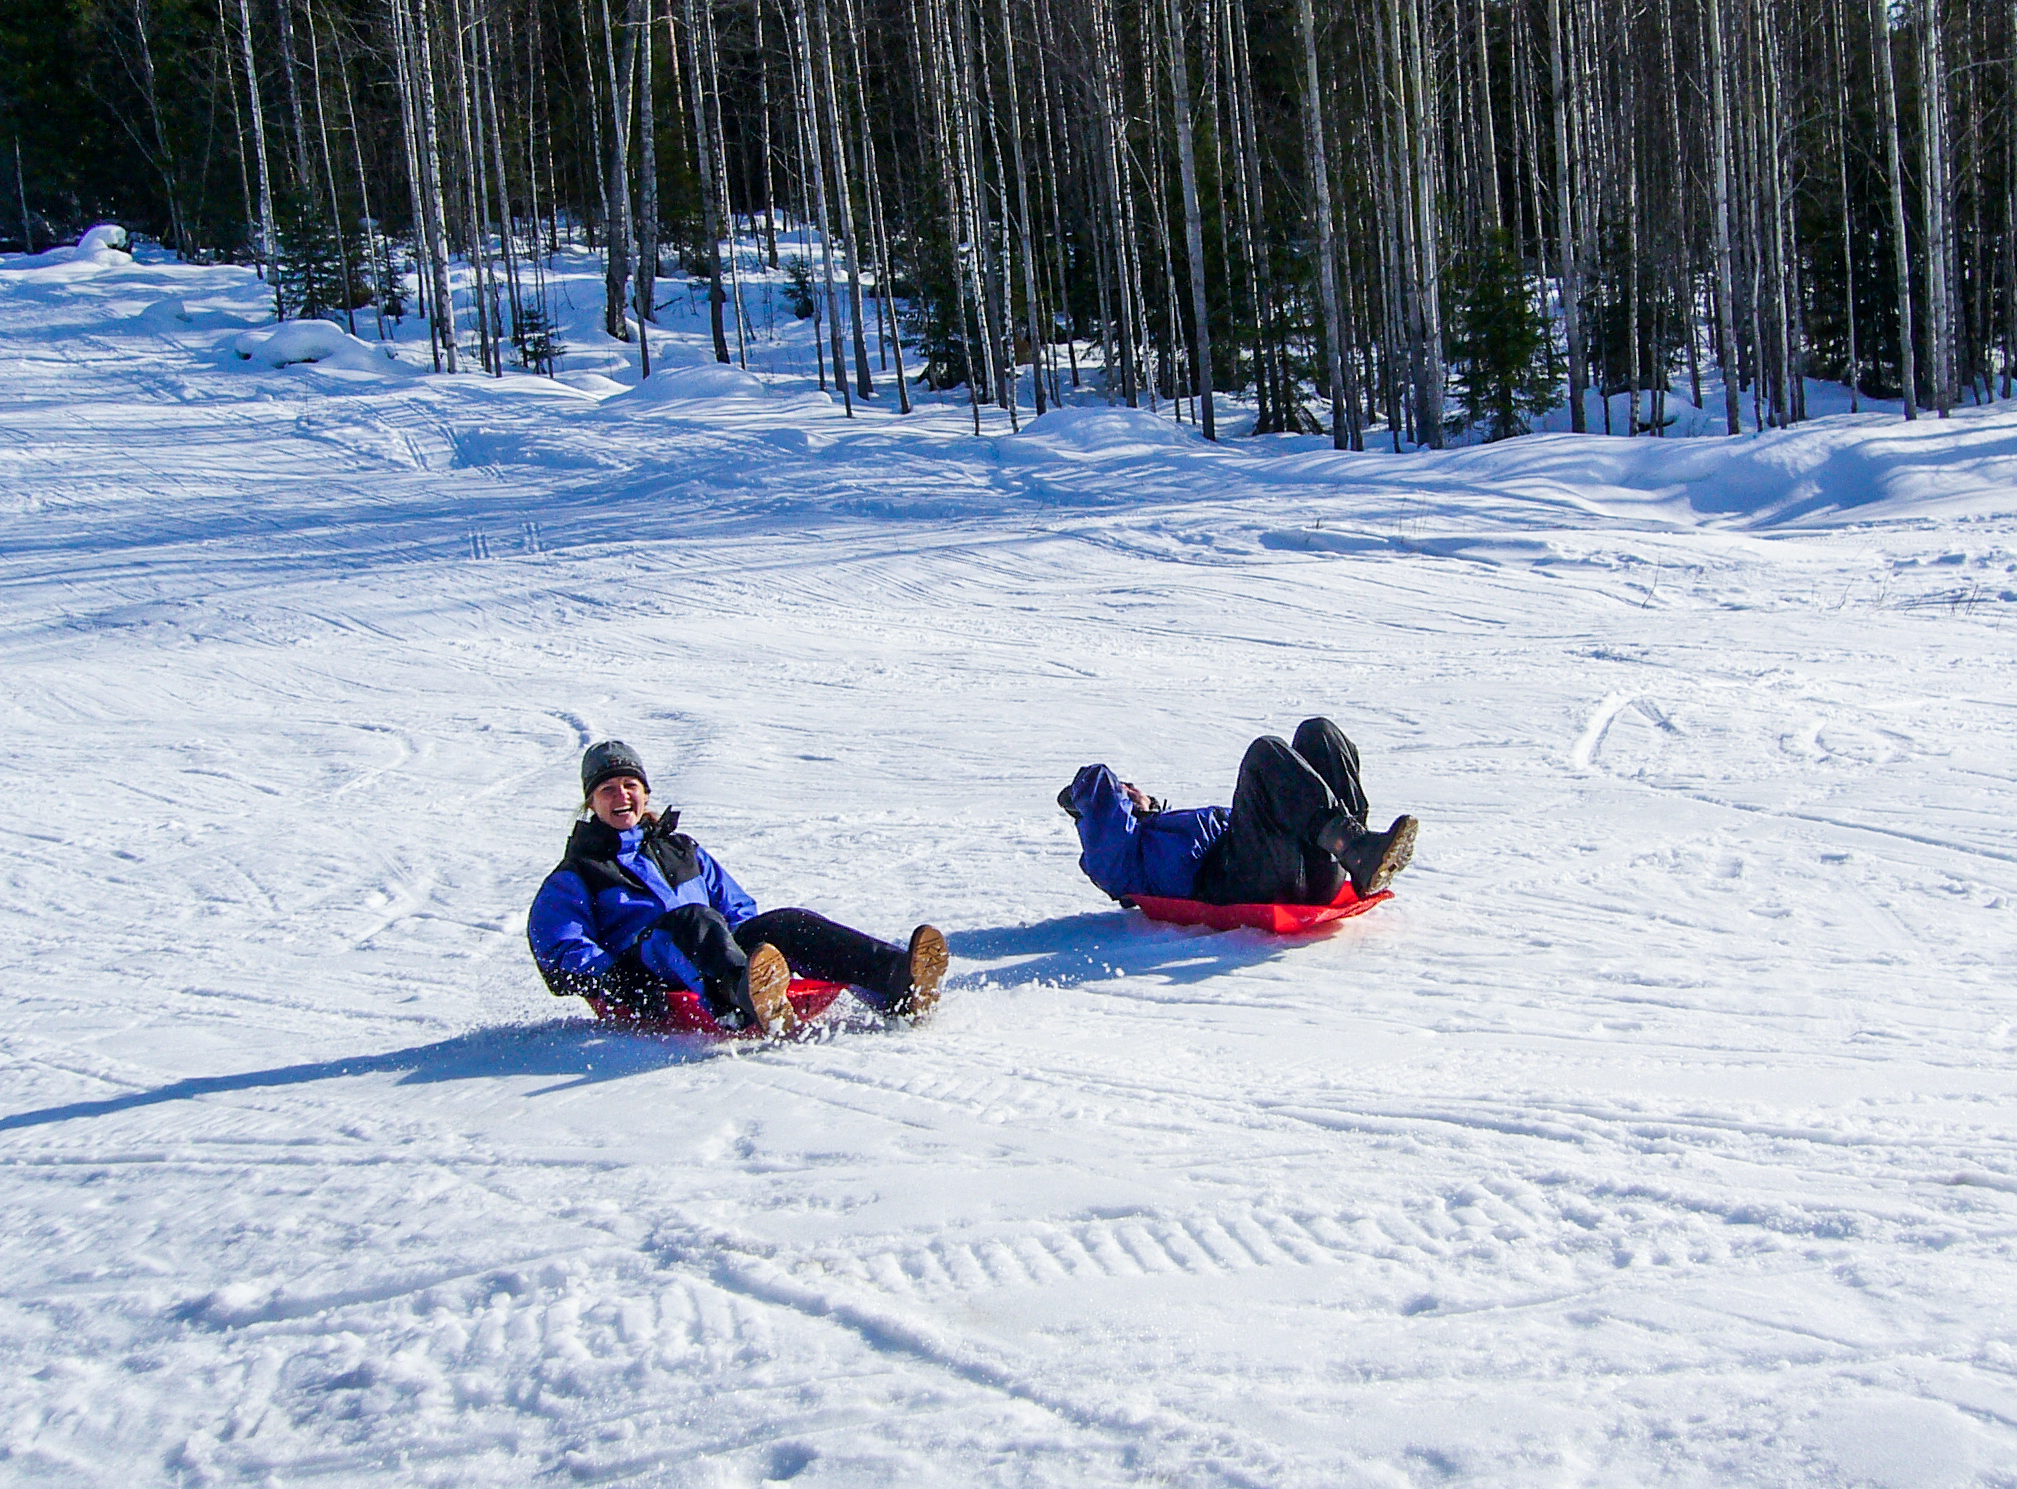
685	1013
1283	920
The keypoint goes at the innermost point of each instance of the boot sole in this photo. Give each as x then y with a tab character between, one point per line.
929	959
770	991
1398	853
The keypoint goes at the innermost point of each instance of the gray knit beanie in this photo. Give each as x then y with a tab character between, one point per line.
609	759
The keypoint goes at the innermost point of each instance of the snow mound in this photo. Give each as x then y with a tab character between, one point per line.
592	383
165	315
692	384
103	247
320	342
106	237
1844	468
1097	431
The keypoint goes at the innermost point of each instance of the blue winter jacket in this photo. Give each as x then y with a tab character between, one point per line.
592	925
1128	855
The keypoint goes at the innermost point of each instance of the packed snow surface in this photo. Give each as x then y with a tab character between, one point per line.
1661	1131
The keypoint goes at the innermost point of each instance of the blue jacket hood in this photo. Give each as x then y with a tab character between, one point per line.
1128	855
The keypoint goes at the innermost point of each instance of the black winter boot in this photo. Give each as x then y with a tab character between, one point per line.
1373	858
1336	834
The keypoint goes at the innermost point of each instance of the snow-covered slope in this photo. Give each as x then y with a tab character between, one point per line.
1661	1131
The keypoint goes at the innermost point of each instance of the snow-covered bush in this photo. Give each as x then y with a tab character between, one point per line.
103	247
311	341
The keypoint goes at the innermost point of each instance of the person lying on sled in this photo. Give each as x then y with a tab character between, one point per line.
637	907
1295	834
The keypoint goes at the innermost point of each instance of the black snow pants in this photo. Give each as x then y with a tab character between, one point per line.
815	947
1286	794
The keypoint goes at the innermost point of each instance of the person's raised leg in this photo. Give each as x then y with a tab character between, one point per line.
901	980
1370	858
1279	805
1334	757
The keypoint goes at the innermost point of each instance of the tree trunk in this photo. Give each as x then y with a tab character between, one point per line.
816	169
935	82
2010	203
494	122
329	177
594	111
267	240
885	272
1887	112
237	139
763	110
1246	165
646	284
409	113
710	56
1719	126
285	10
1428	233
1055	177
864	382
1126	259
1327	249
1032	303
1194	228
966	136
471	203
1571	284
443	307
617	233
1631	173
163	155
1488	169
371	239
1158	198
1838	25
1934	191
1771	166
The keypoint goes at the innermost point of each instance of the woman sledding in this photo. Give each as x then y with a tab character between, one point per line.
1295	835
637	908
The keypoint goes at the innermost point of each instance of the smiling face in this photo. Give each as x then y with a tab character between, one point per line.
619	802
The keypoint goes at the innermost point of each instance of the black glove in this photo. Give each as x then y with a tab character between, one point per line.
1065	801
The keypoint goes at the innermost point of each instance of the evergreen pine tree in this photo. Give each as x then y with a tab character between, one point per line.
310	262
533	333
1503	355
798	286
391	284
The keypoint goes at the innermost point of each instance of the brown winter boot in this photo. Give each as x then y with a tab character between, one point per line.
762	993
927	966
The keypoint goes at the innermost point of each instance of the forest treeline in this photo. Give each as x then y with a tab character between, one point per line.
1385	218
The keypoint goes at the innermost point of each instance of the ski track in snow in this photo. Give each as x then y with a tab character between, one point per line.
1661	1131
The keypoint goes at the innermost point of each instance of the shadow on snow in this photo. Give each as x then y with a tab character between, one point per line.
576	1048
1073	950
1069	951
